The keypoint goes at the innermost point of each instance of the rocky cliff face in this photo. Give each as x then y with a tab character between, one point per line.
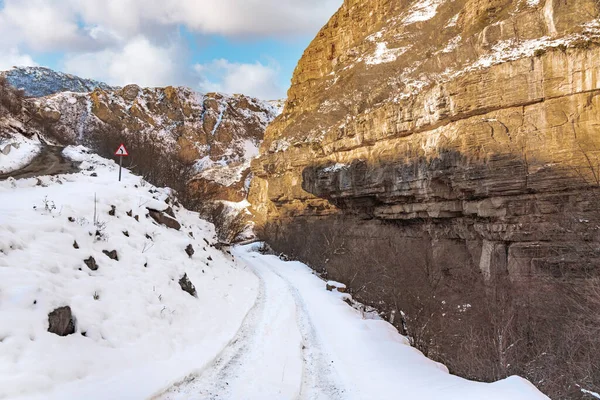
458	138
219	133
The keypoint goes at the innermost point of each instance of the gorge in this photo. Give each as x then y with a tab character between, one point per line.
442	158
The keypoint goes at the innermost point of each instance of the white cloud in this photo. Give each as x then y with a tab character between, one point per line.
123	41
254	17
69	25
255	80
40	24
230	17
13	58
138	61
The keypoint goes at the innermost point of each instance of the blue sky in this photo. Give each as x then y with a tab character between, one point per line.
233	46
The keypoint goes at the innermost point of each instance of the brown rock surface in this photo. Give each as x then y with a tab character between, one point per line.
162	218
460	138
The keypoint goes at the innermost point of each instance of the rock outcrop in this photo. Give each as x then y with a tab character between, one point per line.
456	138
163	218
219	133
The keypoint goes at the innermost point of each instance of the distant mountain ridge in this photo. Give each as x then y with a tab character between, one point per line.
220	133
42	81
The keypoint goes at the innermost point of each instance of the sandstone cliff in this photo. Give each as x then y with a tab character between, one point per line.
460	138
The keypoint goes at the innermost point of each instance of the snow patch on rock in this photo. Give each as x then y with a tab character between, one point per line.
384	55
422	10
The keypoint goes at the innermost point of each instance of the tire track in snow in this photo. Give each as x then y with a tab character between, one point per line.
319	378
192	385
263	361
275	354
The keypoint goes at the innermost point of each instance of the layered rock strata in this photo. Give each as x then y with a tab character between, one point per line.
456	138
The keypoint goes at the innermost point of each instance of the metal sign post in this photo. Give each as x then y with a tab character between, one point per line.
121	152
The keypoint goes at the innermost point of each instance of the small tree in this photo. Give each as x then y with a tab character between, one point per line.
229	224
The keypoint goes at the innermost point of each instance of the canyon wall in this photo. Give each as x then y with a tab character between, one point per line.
443	159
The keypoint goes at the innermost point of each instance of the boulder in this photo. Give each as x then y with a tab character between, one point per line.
188	286
50	114
130	92
163	219
91	263
61	321
111	254
190	250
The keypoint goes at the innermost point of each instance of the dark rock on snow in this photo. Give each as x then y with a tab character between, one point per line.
189	250
163	219
61	321
91	263
188	286
111	254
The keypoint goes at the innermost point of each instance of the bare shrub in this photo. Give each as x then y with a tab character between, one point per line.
229	224
11	99
543	326
151	157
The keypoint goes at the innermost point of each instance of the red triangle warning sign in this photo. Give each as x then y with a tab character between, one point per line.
121	151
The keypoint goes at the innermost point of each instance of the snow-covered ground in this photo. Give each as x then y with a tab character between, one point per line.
142	331
19	153
259	328
301	341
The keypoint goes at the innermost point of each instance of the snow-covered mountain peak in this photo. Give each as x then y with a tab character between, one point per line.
42	81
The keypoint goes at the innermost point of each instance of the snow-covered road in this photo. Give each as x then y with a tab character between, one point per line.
275	354
300	341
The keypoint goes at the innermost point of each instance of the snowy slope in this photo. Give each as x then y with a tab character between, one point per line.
137	331
41	81
219	132
300	341
16	151
259	328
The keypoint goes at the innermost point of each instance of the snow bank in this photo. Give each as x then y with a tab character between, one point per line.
137	331
22	151
371	359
